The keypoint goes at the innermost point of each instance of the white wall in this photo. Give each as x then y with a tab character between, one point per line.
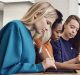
1	19
15	0
73	7
67	7
15	11
61	5
79	11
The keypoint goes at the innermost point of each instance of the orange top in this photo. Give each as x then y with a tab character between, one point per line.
47	46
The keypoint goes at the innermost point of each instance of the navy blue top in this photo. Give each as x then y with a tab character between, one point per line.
63	50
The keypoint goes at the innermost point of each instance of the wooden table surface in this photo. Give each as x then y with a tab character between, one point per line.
78	73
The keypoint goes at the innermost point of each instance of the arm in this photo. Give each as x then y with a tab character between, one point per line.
11	46
46	51
43	52
67	66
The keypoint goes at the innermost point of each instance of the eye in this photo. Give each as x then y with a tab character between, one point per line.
58	31
72	26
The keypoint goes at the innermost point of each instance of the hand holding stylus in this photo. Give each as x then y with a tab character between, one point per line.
52	58
52	61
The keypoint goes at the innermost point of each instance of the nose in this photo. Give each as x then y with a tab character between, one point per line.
59	34
74	31
49	22
44	29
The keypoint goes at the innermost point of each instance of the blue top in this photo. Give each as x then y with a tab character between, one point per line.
17	52
63	50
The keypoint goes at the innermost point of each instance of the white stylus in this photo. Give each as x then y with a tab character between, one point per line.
50	57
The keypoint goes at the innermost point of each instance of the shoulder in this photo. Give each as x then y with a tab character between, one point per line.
14	24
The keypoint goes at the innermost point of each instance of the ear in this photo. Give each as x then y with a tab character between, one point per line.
37	14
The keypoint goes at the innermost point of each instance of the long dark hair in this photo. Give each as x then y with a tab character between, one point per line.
76	40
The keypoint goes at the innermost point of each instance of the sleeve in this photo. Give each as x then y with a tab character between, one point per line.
47	49
11	50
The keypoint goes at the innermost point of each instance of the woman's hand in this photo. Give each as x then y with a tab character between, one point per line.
49	62
79	58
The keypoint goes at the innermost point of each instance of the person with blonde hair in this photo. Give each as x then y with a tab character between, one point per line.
17	52
46	48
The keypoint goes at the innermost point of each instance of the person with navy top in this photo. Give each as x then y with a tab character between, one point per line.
65	53
17	52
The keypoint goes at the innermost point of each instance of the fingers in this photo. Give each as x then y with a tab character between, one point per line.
49	62
79	57
53	65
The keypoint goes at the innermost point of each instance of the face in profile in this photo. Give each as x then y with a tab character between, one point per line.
56	32
71	29
43	25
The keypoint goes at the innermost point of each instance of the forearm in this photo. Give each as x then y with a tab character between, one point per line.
67	66
22	67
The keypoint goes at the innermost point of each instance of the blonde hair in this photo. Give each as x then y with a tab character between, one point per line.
41	8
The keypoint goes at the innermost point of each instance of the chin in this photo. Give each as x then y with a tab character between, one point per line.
71	37
57	39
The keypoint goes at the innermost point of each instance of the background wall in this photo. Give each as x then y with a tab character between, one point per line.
59	4
73	7
67	7
15	10
1	19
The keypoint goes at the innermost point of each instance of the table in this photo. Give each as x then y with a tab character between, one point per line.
52	73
